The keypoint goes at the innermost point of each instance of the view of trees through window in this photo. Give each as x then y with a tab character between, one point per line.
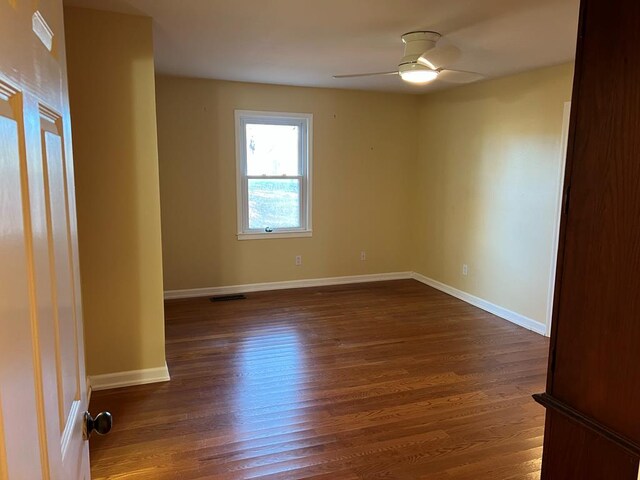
274	204
273	157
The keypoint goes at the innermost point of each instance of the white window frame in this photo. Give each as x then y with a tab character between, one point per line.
305	122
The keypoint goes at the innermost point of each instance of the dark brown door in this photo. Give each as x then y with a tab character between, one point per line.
593	389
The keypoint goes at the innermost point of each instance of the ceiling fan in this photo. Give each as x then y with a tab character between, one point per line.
424	62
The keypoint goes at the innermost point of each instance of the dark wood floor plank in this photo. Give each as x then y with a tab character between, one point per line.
380	380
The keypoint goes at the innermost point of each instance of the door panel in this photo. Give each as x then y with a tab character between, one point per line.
574	452
65	332
42	386
17	369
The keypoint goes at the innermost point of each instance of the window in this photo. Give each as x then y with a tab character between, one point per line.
273	153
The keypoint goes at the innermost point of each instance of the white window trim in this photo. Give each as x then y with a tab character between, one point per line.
241	118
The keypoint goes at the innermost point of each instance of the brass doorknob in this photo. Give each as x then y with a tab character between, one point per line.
101	424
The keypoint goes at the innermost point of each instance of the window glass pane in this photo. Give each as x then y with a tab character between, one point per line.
272	149
274	203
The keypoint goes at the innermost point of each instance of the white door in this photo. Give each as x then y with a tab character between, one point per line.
42	378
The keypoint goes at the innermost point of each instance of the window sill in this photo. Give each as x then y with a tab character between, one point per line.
262	236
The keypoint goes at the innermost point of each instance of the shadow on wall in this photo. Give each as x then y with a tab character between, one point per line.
111	83
193	243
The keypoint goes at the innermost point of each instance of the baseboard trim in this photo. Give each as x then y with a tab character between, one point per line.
497	310
260	287
128	378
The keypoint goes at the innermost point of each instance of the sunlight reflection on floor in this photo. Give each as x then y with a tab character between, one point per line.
271	372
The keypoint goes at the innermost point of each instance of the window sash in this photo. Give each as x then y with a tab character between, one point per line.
301	124
301	203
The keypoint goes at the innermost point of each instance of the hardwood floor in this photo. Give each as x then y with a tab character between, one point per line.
389	380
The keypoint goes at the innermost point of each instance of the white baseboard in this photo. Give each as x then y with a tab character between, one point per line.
497	310
128	378
260	287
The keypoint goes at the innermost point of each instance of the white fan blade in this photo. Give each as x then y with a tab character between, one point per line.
438	57
457	76
354	75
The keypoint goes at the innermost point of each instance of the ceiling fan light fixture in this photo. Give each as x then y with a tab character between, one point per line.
423	62
416	73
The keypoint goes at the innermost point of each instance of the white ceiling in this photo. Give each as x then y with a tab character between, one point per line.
305	42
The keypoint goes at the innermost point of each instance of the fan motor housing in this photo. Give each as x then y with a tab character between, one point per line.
416	43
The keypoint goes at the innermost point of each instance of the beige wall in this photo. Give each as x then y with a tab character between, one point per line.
424	183
364	147
111	80
488	182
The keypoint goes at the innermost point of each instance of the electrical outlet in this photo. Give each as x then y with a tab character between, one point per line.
465	269
298	260
363	256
